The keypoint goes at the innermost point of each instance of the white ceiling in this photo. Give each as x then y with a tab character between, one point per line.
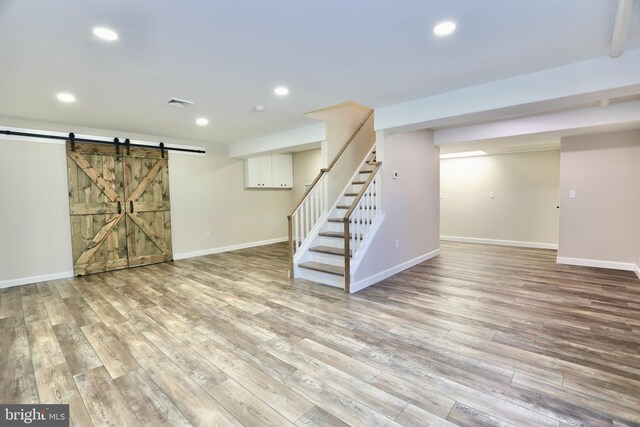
229	55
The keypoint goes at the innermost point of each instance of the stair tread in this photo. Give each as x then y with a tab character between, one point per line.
365	171
353	194
326	268
328	250
339	234
358	182
348	206
340	219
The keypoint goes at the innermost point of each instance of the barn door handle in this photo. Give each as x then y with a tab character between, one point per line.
119	207
130	206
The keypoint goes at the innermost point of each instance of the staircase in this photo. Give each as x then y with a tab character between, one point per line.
327	244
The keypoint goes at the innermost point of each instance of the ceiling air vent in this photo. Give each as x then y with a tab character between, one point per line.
179	103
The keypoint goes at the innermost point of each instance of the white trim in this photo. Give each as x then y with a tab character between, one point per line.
515	243
626	266
35	279
637	270
361	284
218	250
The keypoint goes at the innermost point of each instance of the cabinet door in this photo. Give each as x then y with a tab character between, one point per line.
252	172
266	180
282	171
287	170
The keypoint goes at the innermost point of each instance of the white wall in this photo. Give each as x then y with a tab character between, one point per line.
524	211
341	121
207	193
35	231
411	206
306	166
600	225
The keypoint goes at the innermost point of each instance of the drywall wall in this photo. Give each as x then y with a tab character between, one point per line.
524	210
341	121
306	166
411	206
35	229
599	227
207	193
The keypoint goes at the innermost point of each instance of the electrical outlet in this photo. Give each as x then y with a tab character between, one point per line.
572	194
207	233
397	244
492	195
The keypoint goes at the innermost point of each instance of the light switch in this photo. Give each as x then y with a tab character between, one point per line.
572	194
492	195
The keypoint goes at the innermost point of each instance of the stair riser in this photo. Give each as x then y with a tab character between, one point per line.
321	277
324	258
329	241
347	200
333	226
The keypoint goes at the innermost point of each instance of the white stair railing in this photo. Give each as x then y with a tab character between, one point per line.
308	212
359	219
311	207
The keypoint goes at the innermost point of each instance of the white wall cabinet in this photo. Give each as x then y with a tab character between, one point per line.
272	171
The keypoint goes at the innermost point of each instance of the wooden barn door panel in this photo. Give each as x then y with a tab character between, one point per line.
96	204
146	183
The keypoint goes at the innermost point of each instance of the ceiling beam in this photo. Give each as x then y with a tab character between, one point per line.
548	90
627	113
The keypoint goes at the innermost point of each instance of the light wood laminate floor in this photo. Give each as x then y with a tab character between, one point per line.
482	335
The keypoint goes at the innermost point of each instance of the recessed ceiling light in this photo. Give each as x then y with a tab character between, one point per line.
281	91
444	28
202	121
463	154
66	97
105	33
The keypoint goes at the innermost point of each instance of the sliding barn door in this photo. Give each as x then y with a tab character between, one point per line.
96	204
146	184
120	207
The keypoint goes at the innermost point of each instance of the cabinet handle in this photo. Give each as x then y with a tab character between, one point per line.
119	208
131	206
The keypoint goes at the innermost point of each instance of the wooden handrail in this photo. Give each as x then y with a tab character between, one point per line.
304	195
362	190
346	144
333	162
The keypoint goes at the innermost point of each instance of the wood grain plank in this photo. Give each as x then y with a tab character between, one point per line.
185	394
104	402
275	394
78	353
45	350
246	407
115	358
57	386
148	402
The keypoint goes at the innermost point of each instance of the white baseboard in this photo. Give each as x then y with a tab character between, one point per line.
35	279
218	250
637	270
516	243
626	266
361	284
